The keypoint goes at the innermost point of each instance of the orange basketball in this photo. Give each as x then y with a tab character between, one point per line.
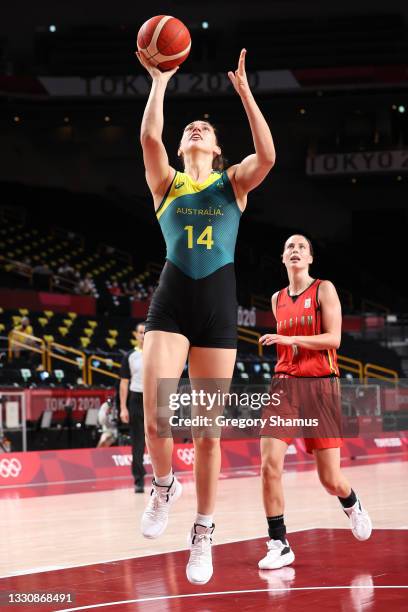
165	41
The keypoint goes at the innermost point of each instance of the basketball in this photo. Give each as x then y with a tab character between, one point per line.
165	41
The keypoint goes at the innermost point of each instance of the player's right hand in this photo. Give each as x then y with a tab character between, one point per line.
154	72
124	415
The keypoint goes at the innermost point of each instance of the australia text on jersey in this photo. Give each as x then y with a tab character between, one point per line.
208	212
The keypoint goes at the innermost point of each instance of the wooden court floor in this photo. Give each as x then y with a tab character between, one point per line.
41	533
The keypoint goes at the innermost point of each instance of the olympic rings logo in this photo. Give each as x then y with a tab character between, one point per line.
186	455
10	468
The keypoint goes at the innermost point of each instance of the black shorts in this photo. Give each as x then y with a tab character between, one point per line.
203	310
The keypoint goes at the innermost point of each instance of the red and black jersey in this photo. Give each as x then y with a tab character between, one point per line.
300	315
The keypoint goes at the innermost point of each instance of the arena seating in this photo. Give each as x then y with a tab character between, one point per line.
22	248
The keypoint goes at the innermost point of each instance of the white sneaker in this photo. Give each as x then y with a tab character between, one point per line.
278	555
360	521
156	514
199	567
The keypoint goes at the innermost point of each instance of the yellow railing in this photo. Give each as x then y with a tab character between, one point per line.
67	349
252	337
351	365
109	363
371	370
21	340
27	342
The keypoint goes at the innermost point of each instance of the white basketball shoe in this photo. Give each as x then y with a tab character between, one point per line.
156	514
199	567
278	555
360	521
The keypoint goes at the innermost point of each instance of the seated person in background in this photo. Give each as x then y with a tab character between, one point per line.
131	288
67	271
114	289
107	420
86	286
42	275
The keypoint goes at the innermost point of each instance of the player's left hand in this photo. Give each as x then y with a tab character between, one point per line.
269	339
239	77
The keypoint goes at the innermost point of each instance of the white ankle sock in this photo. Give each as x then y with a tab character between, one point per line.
204	519
164	481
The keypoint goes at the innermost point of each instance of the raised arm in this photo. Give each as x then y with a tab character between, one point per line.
253	169
159	174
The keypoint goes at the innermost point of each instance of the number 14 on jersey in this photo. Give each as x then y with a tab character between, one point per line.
204	238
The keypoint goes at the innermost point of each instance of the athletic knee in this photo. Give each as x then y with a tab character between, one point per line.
332	483
151	431
271	471
207	445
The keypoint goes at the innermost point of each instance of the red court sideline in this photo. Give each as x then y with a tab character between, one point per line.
331	571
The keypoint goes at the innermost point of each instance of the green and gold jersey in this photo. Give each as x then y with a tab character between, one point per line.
199	223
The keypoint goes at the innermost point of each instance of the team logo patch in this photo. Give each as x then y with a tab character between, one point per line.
308	302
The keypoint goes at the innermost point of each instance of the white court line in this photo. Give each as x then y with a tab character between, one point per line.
39	570
51	483
287	589
51	568
189	472
102	479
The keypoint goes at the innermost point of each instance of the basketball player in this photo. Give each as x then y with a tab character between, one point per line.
193	313
308	318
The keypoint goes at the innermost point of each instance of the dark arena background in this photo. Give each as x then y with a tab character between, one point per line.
81	252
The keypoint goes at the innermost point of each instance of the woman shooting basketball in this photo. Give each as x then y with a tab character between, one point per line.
308	318
193	314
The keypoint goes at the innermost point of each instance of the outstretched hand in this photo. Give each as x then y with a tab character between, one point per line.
239	77
154	72
269	339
